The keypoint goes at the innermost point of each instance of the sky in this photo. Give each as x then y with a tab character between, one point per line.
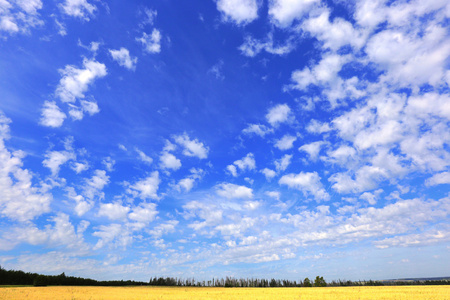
210	138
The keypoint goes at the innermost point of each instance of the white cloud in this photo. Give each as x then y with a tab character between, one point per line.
333	35
151	42
232	170
147	187
421	58
113	211
324	72
95	184
308	183
273	194
216	70
169	161
61	234
143	157
82	205
62	30
252	47
54	159
144	213
286	142
19	16
78	8
164	228
51	115
123	58
244	164
192	147
365	178
268	173
429	237
239	11
278	114
257	129
229	190
282	163
210	213
188	183
150	16
342	156
315	126
371	198
236	229
313	149
79	167
439	178
284	12
75	82
109	163
110	233
20	198
335	90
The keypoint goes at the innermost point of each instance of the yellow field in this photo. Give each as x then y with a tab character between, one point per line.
328	293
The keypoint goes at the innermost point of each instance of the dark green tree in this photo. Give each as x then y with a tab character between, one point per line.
320	282
307	282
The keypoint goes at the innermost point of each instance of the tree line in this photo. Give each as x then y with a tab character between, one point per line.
13	277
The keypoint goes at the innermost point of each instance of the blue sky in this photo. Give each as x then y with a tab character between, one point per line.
281	138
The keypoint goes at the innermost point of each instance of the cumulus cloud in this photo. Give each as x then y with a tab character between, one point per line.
187	183
284	12
94	186
308	183
282	163
54	159
229	190
163	228
192	147
169	161
51	115
79	167
20	198
273	194
19	16
123	58
286	142
114	234
151	42
268	173
143	157
61	233
146	188
244	164
278	114
144	213
82	204
209	213
78	8
333	35
315	126
439	178
258	129
313	149
75	82
252	47
240	12
113	211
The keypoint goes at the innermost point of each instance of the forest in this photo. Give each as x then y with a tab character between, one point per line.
17	277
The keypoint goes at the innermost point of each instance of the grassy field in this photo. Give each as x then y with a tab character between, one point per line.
335	293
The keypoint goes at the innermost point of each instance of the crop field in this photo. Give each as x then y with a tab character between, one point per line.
338	293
